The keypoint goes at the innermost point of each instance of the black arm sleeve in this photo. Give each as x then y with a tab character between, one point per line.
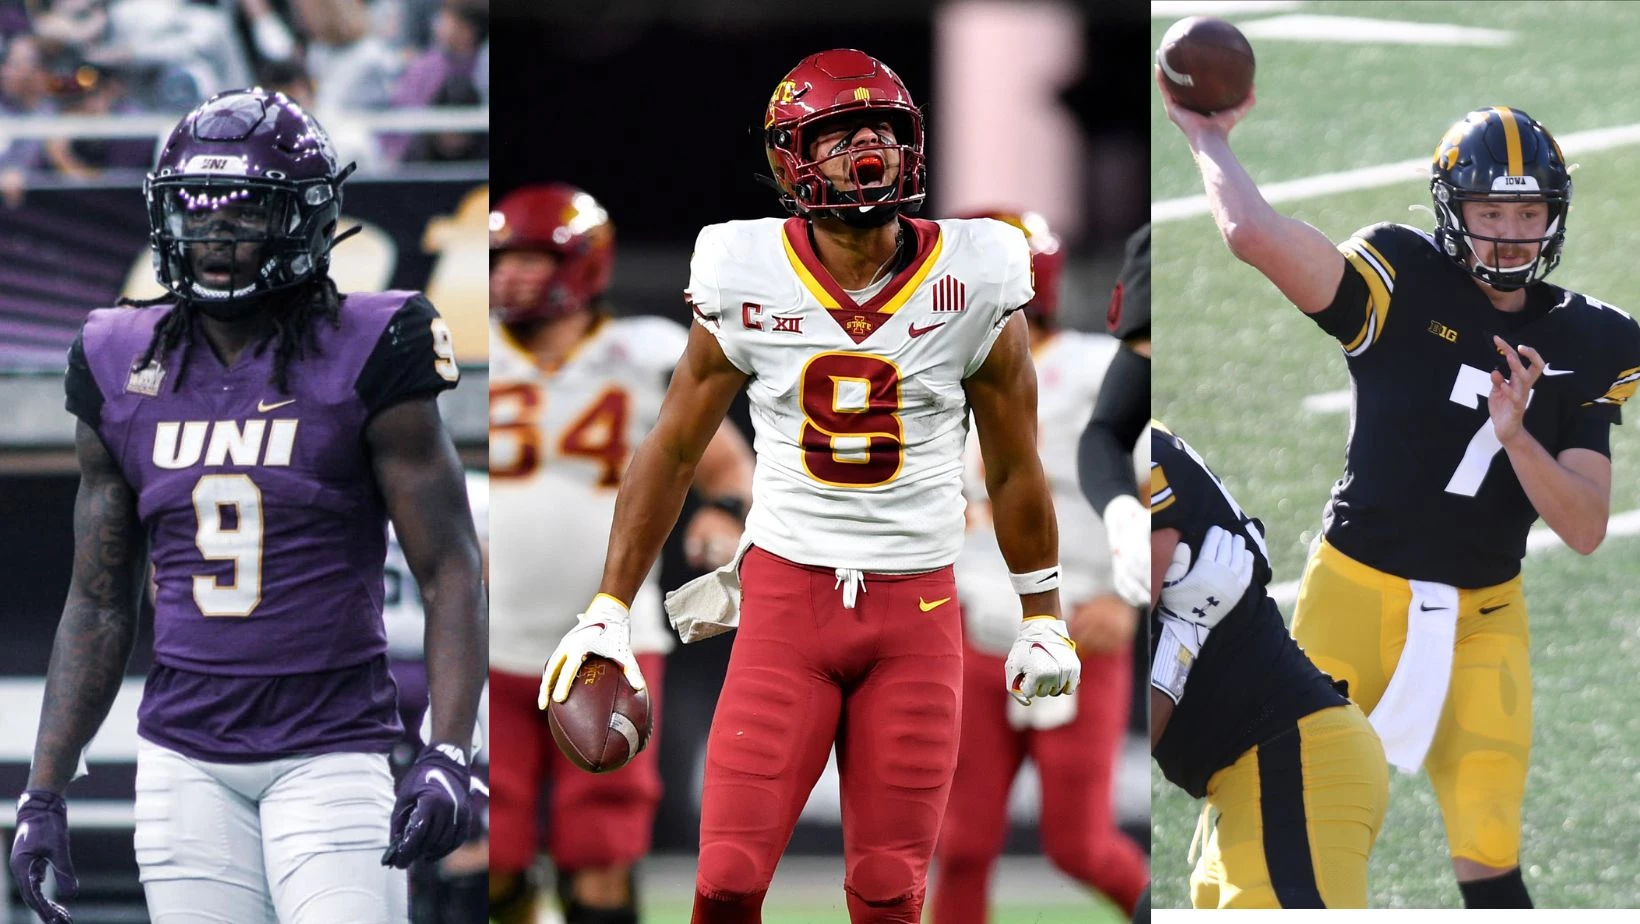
408	361
1343	317
85	399
1105	456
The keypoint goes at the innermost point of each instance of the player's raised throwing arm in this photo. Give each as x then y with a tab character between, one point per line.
1299	259
1002	394
99	624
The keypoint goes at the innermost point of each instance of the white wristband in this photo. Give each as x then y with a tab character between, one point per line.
1035	582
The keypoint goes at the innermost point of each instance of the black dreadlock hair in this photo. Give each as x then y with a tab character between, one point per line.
293	328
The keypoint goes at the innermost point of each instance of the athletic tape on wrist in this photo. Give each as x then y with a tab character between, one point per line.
1170	668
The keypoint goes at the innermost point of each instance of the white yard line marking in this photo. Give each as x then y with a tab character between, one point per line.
1540	539
1361	30
1170	9
1405	171
1328	402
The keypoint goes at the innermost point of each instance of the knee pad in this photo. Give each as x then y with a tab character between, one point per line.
882	879
727	871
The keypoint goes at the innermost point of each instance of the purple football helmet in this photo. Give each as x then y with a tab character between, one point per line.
243	201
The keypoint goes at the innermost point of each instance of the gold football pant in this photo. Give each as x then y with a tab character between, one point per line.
1352	621
1297	816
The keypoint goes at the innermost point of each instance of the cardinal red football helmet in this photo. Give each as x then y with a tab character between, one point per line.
561	220
837	83
1047	259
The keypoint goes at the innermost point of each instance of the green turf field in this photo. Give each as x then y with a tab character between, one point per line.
1234	361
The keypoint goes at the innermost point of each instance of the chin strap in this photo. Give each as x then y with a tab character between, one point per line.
342	237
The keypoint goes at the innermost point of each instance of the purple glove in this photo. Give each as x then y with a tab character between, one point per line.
42	839
431	816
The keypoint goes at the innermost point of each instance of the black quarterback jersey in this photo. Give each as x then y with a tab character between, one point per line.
1428	492
1250	681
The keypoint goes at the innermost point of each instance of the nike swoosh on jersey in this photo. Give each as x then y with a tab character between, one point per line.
1550	370
1492	609
925	605
916	331
1429	609
264	407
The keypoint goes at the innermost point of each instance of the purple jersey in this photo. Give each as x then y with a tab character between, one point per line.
266	526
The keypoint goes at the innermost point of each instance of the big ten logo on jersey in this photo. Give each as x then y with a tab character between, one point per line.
1442	331
520	430
182	444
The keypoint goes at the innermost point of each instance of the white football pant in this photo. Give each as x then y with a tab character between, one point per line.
292	841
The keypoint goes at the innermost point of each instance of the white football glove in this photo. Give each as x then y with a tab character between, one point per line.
1204	592
1127	528
1043	660
604	629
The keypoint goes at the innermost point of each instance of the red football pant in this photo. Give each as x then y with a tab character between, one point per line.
596	819
1074	762
883	682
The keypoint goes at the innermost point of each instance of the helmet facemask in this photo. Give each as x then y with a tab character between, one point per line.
1474	250
807	190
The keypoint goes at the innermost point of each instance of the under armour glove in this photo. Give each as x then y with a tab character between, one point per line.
605	629
431	816
42	840
1043	660
1127	528
1205	591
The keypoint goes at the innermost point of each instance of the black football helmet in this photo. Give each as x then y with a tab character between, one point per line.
247	166
1499	154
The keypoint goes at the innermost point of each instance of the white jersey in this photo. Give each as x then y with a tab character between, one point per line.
402	613
560	441
1070	367
858	410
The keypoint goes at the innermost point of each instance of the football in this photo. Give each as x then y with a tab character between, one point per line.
604	723
1207	63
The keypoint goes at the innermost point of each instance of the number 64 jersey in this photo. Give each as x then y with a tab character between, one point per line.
858	408
560	441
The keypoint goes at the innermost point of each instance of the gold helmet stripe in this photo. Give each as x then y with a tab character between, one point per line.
1511	139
